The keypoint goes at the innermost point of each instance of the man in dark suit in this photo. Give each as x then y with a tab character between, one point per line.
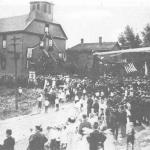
89	105
96	107
96	139
84	124
9	142
37	140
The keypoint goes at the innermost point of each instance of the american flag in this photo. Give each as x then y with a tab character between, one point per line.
129	67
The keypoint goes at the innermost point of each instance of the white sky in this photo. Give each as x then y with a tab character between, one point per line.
89	19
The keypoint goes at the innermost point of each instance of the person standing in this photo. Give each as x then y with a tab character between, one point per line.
46	103
93	117
81	103
57	103
53	98
89	105
96	107
71	134
96	139
9	142
130	134
114	122
37	140
84	124
107	114
122	121
40	99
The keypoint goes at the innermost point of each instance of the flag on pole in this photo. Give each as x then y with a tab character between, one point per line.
146	69
129	68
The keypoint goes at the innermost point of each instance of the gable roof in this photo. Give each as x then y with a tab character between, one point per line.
16	23
105	46
21	23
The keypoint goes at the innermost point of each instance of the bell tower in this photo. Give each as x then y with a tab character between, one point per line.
42	8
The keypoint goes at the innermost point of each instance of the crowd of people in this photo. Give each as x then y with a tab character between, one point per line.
101	111
116	94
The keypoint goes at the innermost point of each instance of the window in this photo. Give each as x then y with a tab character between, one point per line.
45	8
49	9
4	44
38	7
33	7
29	52
64	57
3	62
46	28
50	45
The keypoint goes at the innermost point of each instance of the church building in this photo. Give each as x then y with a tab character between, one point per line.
31	42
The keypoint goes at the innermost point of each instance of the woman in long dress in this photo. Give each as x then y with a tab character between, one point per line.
71	134
109	144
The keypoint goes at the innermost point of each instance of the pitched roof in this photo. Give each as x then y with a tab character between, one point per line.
21	23
16	23
105	46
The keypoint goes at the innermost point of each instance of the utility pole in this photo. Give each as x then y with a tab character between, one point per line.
14	39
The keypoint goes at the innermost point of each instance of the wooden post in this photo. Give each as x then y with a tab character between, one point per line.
14	39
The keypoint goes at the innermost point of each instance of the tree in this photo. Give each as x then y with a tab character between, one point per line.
128	39
138	41
146	35
122	39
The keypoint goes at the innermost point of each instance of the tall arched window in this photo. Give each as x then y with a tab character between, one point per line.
33	7
46	30
49	9
38	6
45	8
4	44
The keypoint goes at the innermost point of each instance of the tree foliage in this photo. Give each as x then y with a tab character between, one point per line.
146	35
128	39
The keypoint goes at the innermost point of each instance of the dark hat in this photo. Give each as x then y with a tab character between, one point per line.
9	131
38	127
71	119
84	116
95	125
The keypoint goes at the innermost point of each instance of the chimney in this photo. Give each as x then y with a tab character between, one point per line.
82	41
100	40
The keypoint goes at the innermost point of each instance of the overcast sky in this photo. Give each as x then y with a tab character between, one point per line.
89	19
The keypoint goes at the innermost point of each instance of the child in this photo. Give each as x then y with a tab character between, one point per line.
93	117
130	134
40	99
63	138
57	103
9	142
